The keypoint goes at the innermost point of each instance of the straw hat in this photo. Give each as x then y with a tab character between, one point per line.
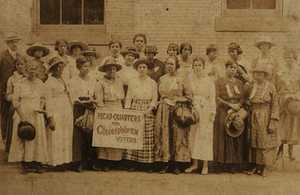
108	63
12	36
80	44
234	122
26	131
264	39
53	61
37	46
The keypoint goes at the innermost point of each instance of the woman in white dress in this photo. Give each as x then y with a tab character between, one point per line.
202	90
60	114
28	99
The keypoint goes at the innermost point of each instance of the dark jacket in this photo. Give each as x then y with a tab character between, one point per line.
156	69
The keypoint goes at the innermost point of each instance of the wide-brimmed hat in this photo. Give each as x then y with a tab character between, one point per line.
235	46
264	39
108	63
12	36
151	49
37	46
234	122
75	43
54	61
130	50
90	51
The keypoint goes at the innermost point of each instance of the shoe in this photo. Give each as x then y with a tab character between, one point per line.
106	169
204	171
191	170
96	168
177	171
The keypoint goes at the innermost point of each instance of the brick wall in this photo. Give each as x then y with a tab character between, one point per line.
163	21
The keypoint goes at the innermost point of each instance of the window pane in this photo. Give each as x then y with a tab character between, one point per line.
93	11
264	4
71	11
49	11
238	4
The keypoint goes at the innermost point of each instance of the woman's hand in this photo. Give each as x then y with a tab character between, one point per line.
272	126
235	107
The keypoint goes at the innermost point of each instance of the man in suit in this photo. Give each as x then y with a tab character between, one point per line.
7	67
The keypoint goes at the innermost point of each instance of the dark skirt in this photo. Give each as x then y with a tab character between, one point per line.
7	112
82	141
227	149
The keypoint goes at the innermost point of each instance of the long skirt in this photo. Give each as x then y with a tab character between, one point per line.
82	141
289	127
29	151
202	137
227	149
263	143
146	155
171	141
7	123
61	139
111	153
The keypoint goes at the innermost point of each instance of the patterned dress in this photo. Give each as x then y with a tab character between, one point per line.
59	106
141	95
227	149
171	141
109	94
289	125
27	97
204	100
264	111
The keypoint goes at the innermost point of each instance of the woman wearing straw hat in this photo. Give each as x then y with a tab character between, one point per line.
7	67
289	103
264	121
38	51
265	58
109	94
142	95
60	114
76	48
29	101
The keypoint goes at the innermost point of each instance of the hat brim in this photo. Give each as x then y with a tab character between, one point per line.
230	129
261	42
104	67
83	46
135	54
13	39
30	51
54	64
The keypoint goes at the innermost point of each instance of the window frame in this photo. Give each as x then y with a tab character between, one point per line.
253	12
63	27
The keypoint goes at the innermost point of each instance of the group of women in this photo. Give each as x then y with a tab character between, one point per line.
238	109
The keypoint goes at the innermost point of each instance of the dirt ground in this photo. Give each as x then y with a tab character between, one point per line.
285	180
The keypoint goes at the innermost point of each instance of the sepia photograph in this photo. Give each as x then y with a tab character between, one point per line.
146	97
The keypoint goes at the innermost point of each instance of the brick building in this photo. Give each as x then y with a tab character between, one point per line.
200	22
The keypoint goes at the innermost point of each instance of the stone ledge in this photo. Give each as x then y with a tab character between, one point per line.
251	24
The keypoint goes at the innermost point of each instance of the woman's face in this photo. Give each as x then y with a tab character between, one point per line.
233	54
150	56
115	48
129	59
212	55
91	58
231	70
76	51
62	48
111	72
142	69
139	43
84	69
38	54
264	47
171	65
198	67
259	76
13	45
186	51
20	67
172	52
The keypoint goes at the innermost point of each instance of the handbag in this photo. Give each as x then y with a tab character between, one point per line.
185	115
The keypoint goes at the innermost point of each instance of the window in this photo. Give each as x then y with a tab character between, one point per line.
71	12
252	7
